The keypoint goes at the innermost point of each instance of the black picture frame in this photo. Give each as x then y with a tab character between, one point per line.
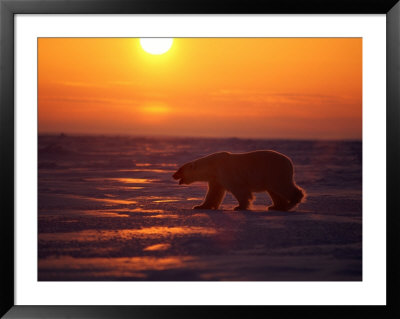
8	8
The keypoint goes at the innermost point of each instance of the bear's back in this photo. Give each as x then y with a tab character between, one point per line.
262	157
258	169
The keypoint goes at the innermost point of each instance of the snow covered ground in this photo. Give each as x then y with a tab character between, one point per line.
110	210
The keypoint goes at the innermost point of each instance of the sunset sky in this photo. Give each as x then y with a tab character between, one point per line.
304	88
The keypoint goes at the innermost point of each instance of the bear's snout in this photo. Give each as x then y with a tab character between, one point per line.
177	175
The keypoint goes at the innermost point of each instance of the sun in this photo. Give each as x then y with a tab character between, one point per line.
156	46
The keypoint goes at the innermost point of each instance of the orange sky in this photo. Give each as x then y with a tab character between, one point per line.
261	87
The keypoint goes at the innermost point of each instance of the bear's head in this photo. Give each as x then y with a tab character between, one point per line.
191	172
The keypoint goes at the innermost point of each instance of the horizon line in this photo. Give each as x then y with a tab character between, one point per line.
197	136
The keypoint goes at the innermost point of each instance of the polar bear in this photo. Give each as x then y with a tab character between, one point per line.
242	175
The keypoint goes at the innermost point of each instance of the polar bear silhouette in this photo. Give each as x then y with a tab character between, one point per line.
244	174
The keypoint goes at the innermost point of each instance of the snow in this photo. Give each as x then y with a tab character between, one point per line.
110	210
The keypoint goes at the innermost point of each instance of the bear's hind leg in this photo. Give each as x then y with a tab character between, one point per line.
214	196
287	198
298	195
279	203
244	199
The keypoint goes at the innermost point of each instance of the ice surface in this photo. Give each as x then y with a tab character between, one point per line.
110	210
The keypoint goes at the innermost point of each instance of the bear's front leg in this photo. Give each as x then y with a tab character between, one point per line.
244	198
202	206
214	196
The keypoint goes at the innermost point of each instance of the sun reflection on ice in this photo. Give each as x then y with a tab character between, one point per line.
157	247
91	235
128	267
